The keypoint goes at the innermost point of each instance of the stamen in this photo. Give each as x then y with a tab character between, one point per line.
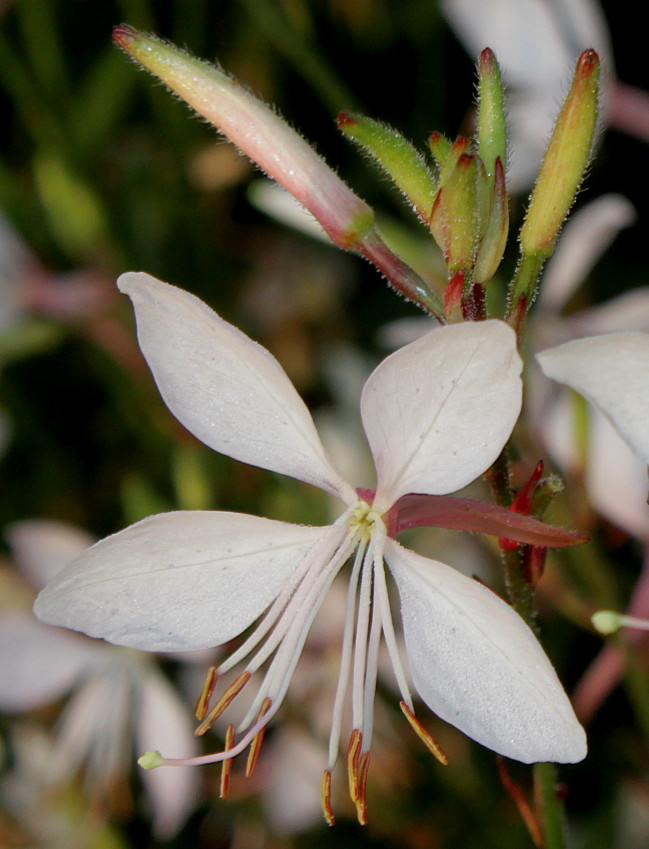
361	800
360	645
152	759
345	658
205	696
306	606
230	694
426	737
353	756
330	543
325	794
371	666
255	746
226	766
390	638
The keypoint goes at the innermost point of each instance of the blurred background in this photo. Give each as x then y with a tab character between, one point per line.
102	171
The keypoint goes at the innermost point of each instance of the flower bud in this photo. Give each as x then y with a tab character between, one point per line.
397	156
565	160
492	130
454	221
283	154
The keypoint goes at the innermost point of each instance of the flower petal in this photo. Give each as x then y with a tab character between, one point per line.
163	722
177	581
42	547
478	666
39	664
612	372
438	412
586	236
226	389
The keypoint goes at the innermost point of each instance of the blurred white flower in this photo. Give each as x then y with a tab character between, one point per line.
536	42
113	694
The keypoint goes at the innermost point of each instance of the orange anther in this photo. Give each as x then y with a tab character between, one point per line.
205	696
325	795
426	737
361	800
353	755
226	766
255	746
233	690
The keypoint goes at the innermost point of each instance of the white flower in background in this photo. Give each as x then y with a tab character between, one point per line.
612	372
437	414
614	475
536	41
117	697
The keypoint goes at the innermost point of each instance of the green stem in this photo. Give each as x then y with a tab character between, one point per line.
635	684
522	289
518	590
550	806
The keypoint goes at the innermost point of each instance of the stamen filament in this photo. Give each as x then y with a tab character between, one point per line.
360	646
371	670
381	594
284	596
425	736
278	677
345	658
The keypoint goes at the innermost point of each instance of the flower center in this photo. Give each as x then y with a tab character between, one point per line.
365	521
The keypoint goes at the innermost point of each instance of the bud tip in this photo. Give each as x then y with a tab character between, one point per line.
588	61
345	119
123	35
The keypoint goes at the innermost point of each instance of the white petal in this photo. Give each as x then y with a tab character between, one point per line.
624	314
478	666
536	44
226	389
438	412
177	581
616	479
586	236
42	547
612	372
164	724
39	664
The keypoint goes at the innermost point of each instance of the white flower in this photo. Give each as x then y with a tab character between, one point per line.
612	372
437	414
535	42
614	475
113	693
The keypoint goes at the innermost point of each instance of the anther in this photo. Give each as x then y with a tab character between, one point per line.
425	736
361	800
325	795
255	746
226	766
233	690
353	755
206	694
